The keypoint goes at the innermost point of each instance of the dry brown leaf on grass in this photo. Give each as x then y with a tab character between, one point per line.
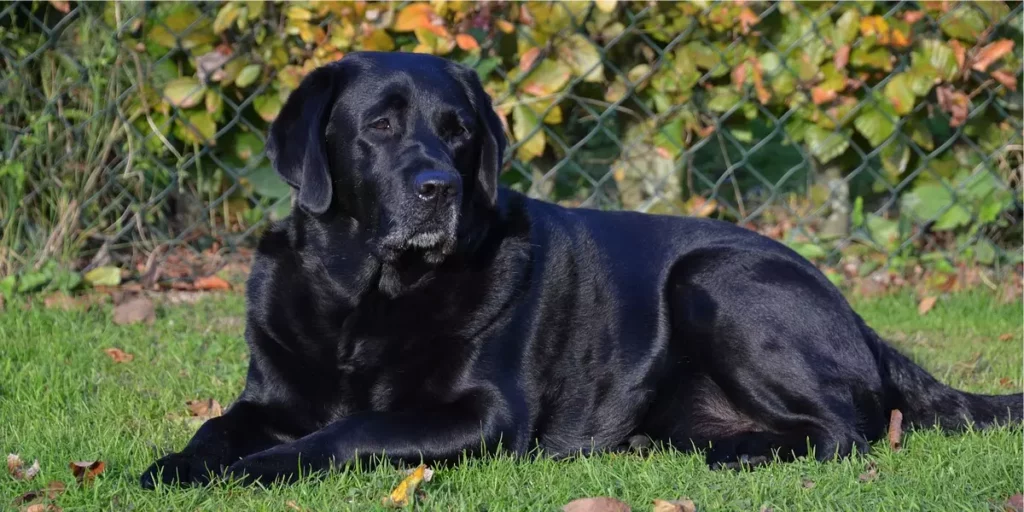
1015	503
85	471
118	355
211	283
683	505
49	493
402	495
599	504
204	409
926	305
16	467
293	506
135	310
807	483
895	430
870	473
65	302
42	507
1006	336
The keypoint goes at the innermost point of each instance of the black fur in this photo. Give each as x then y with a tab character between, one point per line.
380	323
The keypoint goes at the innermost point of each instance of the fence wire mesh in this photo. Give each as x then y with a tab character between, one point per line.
883	132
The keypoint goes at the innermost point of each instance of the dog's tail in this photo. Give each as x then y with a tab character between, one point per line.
924	401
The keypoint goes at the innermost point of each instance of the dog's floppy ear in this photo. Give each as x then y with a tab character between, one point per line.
296	142
492	154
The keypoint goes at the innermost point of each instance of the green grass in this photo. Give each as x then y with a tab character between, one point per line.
63	399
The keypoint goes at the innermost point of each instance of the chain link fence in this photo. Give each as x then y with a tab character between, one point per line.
886	133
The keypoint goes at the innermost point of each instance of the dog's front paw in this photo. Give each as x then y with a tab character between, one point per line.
281	464
256	469
179	469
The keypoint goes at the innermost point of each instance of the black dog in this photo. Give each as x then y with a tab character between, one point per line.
412	309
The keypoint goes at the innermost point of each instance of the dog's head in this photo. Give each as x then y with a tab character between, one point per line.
406	145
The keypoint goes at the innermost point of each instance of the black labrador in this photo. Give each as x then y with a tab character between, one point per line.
410	308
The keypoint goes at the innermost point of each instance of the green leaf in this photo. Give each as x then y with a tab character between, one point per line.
486	66
185	24
808	250
266	182
8	285
932	201
33	281
64	280
875	123
582	56
826	145
280	210
847	27
670	138
199	128
985	252
964	22
721	99
744	135
882	231
225	17
865	56
267	106
990	210
526	129
248	145
184	92
895	158
935	58
953	218
248	75
899	94
103	276
549	77
857	215
996	12
920	134
701	55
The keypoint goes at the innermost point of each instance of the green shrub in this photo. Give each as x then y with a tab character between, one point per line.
653	106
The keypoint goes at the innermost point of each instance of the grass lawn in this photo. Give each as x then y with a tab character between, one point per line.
63	399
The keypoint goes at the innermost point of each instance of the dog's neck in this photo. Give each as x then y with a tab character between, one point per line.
339	242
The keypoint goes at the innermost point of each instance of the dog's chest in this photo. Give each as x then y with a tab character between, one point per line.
385	367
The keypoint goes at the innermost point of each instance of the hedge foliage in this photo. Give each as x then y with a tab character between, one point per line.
915	105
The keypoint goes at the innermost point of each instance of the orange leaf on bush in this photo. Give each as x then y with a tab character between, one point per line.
1009	81
991	53
466	42
412	17
528	57
820	95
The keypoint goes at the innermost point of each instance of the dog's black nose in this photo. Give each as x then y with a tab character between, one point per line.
435	185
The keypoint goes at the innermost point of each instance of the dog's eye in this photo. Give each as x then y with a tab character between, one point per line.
456	131
381	124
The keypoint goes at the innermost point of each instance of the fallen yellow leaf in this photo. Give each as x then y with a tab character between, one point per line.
926	305
402	494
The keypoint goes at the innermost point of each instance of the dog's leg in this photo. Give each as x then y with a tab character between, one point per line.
242	430
476	423
784	367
